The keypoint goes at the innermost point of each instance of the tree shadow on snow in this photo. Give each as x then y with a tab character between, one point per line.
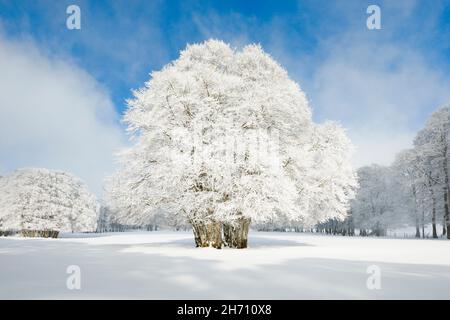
261	241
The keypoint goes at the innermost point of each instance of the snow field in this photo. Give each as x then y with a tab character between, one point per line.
166	265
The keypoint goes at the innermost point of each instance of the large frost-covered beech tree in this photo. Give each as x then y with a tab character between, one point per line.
225	137
42	202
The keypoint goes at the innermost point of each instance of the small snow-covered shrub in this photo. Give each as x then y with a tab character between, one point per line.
42	202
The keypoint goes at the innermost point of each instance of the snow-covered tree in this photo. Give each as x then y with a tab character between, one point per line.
430	186
434	142
410	187
332	179
415	188
44	202
225	137
373	207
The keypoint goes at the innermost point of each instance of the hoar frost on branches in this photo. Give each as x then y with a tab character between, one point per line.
42	202
225	138
414	190
434	143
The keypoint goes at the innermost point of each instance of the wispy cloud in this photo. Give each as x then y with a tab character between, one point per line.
55	115
380	84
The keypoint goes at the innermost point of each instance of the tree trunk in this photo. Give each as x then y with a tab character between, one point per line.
417	230
446	217
207	234
433	221
417	227
40	233
433	213
444	228
236	234
446	190
416	215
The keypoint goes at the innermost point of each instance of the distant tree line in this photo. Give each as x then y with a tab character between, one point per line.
413	191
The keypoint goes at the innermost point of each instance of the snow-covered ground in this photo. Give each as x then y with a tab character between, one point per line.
166	265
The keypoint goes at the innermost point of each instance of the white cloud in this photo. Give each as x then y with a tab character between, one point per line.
382	92
54	115
378	147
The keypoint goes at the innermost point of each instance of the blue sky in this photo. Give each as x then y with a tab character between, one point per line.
380	84
122	41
